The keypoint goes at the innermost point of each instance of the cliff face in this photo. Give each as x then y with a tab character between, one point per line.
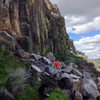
37	25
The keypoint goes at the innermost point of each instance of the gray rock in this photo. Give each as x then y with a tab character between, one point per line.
91	88
36	68
5	95
17	81
7	39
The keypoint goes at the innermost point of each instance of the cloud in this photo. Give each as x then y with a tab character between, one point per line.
89	45
74	20
89	8
86	27
81	16
98	55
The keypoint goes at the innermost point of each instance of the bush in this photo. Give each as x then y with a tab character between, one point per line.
30	93
57	94
8	63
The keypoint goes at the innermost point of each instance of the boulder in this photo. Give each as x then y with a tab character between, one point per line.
77	85
35	68
71	68
45	60
91	88
51	57
21	53
5	95
7	39
98	85
17	81
78	96
35	56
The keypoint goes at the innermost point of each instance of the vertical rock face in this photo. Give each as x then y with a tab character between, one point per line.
38	22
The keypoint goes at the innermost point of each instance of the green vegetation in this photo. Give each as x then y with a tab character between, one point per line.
96	62
30	93
57	94
98	69
69	57
72	58
78	60
8	63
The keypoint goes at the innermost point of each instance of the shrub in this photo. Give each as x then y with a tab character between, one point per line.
8	63
30	93
57	94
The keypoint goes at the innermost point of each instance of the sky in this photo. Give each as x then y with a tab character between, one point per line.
82	19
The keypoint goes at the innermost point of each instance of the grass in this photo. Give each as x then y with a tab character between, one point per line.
57	94
8	63
72	58
30	93
98	69
96	63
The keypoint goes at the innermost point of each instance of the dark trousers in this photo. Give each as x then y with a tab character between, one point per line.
42	94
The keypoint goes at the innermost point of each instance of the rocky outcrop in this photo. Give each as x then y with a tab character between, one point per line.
37	24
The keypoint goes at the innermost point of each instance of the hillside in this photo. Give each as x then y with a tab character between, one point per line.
32	38
96	62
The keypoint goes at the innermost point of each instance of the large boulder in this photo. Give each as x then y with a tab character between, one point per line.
17	81
5	95
7	39
21	53
98	86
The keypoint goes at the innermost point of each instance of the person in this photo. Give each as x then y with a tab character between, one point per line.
55	67
49	81
57	64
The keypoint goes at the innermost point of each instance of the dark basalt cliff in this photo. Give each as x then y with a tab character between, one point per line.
37	25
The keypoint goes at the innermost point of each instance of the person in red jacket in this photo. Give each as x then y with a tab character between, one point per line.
52	70
57	64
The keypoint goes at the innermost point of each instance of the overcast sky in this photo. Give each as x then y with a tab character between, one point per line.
82	18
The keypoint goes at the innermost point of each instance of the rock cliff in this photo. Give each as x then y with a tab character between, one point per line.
37	25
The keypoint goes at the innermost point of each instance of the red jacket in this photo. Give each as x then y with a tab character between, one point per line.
57	64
